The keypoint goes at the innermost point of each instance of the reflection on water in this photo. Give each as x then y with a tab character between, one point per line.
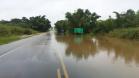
85	46
79	46
100	57
128	50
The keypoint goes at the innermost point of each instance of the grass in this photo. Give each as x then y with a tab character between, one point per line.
126	33
7	39
9	33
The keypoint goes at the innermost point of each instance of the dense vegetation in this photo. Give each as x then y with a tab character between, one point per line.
128	33
38	23
7	30
125	25
11	30
10	33
79	19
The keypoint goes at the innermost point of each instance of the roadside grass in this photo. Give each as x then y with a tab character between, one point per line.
9	33
7	39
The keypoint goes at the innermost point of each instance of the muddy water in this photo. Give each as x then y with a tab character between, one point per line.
84	57
102	57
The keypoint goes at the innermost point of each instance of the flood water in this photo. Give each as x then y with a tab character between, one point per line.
84	57
99	57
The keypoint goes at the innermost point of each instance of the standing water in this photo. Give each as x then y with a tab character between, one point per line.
83	56
88	57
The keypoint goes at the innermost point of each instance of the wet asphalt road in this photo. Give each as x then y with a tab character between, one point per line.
33	57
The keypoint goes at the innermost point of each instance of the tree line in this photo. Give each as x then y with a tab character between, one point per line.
128	19
16	28
38	23
80	18
126	23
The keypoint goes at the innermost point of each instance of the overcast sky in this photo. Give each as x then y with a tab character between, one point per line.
56	9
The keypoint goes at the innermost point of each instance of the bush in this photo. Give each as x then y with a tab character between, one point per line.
128	33
6	30
29	31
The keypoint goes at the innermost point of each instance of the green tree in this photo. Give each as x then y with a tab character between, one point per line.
126	19
40	23
82	18
62	26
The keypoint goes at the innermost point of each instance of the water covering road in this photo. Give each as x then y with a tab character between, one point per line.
84	57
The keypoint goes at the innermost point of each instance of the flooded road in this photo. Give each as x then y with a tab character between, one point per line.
88	57
84	57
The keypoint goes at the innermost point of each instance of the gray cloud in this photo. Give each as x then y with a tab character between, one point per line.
56	9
